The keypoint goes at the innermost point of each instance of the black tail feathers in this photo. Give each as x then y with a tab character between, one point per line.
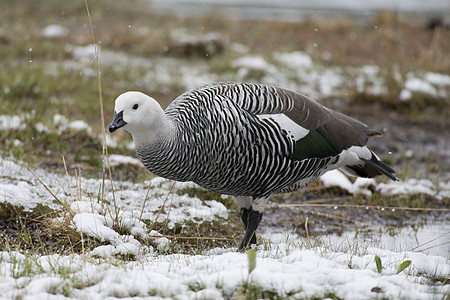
373	167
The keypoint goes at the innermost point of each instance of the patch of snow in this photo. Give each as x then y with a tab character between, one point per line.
19	187
131	146
337	178
86	207
111	141
433	84
165	72
246	64
251	62
103	251
294	60
437	79
85	59
11	122
301	74
236	47
84	52
329	81
79	125
116	159
444	190
410	186
41	127
405	95
55	31
419	85
370	81
62	123
101	227
128	248
163	244
183	37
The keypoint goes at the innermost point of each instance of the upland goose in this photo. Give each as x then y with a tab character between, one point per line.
246	140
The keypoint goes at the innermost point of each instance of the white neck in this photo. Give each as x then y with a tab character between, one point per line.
161	128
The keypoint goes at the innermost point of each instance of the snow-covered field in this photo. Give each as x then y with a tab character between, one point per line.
286	269
287	265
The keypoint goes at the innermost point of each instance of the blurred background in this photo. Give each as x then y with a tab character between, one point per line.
296	10
384	62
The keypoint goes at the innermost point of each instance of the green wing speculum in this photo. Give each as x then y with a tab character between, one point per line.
316	144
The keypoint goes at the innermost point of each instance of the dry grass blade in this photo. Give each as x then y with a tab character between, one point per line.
54	196
358	206
434	246
145	201
68	180
314	201
162	207
191	237
433	239
102	115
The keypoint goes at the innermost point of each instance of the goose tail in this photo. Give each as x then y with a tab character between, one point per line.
371	168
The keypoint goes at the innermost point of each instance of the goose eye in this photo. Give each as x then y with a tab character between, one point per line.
135	106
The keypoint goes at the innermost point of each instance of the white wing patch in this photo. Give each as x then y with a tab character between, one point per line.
294	130
362	152
350	157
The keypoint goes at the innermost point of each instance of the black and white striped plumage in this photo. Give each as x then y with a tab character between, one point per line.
245	140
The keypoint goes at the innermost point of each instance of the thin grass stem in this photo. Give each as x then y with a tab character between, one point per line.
69	210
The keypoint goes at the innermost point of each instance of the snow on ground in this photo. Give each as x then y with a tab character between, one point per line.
53	31
60	123
117	159
19	187
285	264
409	186
158	73
429	83
286	268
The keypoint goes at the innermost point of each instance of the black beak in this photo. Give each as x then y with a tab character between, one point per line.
117	122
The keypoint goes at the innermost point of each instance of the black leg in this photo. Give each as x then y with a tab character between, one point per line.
244	216
253	219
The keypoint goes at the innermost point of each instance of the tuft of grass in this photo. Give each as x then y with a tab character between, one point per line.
434	279
378	263
253	291
196	286
193	238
